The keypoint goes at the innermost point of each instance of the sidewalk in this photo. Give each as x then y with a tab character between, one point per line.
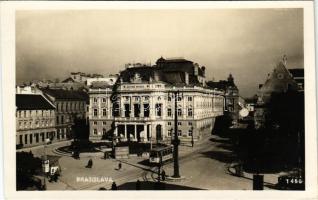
42	146
270	179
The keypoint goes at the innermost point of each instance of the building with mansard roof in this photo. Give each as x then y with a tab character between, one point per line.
140	106
35	120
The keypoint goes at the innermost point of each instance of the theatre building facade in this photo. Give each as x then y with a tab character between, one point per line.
141	106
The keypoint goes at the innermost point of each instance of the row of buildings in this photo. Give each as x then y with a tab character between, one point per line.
138	104
47	114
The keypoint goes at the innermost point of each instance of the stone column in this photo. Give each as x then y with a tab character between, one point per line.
135	134
145	133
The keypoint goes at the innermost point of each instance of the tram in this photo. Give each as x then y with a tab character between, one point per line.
161	154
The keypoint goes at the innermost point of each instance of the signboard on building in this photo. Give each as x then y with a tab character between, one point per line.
121	152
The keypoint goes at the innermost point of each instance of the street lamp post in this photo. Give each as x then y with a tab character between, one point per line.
45	163
192	140
176	140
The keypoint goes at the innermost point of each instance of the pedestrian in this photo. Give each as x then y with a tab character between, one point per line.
114	186
119	165
163	175
89	164
138	184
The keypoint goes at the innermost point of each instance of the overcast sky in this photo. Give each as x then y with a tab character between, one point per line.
245	42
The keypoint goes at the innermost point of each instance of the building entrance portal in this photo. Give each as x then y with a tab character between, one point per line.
140	128
130	132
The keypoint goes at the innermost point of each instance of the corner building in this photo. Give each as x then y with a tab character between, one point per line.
35	120
141	106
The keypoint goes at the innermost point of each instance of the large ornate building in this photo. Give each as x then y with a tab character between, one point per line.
141	105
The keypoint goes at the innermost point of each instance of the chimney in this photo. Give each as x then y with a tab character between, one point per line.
203	70
196	69
156	76
186	77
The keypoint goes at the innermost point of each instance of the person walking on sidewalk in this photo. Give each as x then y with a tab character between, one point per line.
89	164
114	186
163	175
138	184
119	166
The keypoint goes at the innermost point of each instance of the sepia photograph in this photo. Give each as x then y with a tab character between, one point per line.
161	99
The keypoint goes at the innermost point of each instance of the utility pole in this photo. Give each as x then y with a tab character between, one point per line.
176	140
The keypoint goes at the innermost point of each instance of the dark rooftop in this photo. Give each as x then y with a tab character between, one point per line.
100	84
222	84
32	102
66	94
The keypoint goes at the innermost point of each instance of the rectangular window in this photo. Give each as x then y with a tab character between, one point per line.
36	137
169	98
169	111
179	112
179	123
189	123
169	123
25	139
169	133
190	132
116	109
189	98
20	139
31	138
158	109
179	132
146	110
95	100
104	112
42	135
190	112
127	110
104	100
104	123
95	122
137	110
95	131
95	112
